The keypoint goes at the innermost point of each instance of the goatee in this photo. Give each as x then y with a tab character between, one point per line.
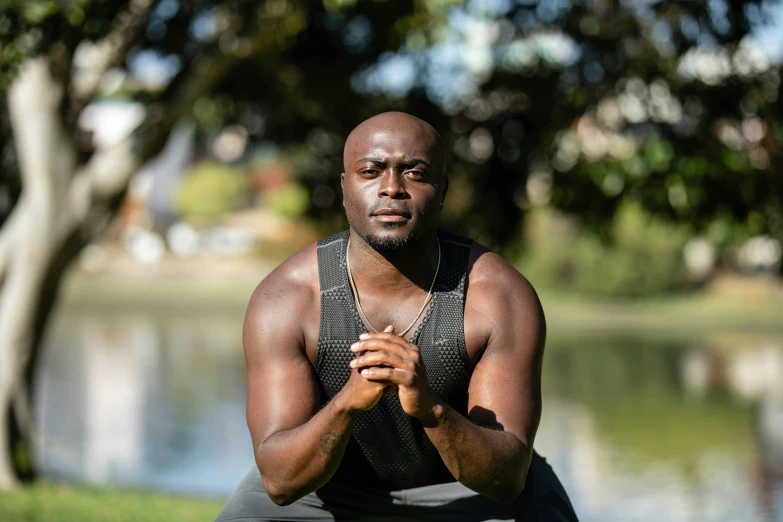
389	244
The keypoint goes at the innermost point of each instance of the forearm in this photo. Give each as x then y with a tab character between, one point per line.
298	461
493	463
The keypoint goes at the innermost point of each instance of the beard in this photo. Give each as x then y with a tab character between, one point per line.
385	244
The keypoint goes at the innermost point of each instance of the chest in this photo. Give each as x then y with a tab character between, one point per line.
439	337
446	320
476	327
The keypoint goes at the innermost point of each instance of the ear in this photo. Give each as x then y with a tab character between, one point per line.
342	186
445	191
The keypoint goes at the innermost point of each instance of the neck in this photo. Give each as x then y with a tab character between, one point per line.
413	264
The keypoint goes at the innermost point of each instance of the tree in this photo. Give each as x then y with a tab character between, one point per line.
54	57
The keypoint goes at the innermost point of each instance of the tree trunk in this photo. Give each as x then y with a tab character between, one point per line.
62	206
27	299
37	241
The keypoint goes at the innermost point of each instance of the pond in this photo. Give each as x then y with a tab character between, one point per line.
638	427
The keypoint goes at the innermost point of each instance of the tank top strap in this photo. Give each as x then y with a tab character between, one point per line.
443	333
337	309
456	256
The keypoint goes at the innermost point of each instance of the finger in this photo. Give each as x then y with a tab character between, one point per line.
385	336
382	335
376	344
391	337
388	329
394	376
382	358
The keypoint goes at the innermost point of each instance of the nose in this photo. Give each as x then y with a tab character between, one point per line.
392	185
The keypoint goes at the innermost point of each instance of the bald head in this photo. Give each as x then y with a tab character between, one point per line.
394	182
391	126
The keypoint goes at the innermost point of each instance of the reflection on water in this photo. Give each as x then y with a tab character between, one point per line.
638	428
644	429
149	400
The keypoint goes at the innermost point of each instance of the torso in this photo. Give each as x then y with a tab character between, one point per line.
388	448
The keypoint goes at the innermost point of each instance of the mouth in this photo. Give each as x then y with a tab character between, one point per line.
391	215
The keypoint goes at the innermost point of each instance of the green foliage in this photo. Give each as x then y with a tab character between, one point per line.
642	257
616	104
291	200
32	27
210	190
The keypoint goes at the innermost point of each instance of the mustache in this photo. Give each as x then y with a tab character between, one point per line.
403	209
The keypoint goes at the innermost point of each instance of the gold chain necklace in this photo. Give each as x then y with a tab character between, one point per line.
356	292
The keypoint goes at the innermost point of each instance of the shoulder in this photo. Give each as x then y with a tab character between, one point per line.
285	297
501	298
494	277
295	278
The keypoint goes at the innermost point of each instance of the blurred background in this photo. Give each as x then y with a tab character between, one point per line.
160	157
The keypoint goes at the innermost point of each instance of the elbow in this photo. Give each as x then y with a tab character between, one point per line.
279	495
506	494
506	491
275	486
282	499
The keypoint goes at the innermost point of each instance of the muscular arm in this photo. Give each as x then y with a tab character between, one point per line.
490	451
297	447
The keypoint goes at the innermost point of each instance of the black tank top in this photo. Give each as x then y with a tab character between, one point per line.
388	448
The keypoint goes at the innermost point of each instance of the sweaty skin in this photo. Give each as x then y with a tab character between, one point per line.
394	186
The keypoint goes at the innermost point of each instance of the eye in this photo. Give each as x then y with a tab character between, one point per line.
415	173
368	172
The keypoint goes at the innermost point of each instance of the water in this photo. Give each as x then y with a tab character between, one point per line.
638	428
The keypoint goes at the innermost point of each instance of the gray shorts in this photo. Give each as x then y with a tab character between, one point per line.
543	500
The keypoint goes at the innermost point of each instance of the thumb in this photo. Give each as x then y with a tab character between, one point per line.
388	329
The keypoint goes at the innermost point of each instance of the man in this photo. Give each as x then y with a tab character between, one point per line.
393	370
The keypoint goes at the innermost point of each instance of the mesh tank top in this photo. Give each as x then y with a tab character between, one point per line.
388	448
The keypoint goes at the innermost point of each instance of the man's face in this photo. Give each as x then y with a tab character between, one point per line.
394	182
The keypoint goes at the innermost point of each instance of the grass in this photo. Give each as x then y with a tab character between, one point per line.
52	502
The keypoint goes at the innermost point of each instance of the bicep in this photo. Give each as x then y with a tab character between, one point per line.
282	390
505	388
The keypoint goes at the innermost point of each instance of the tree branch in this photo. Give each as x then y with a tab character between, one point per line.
109	170
8	236
109	52
46	158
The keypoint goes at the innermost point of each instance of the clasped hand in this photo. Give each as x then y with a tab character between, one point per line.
388	359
